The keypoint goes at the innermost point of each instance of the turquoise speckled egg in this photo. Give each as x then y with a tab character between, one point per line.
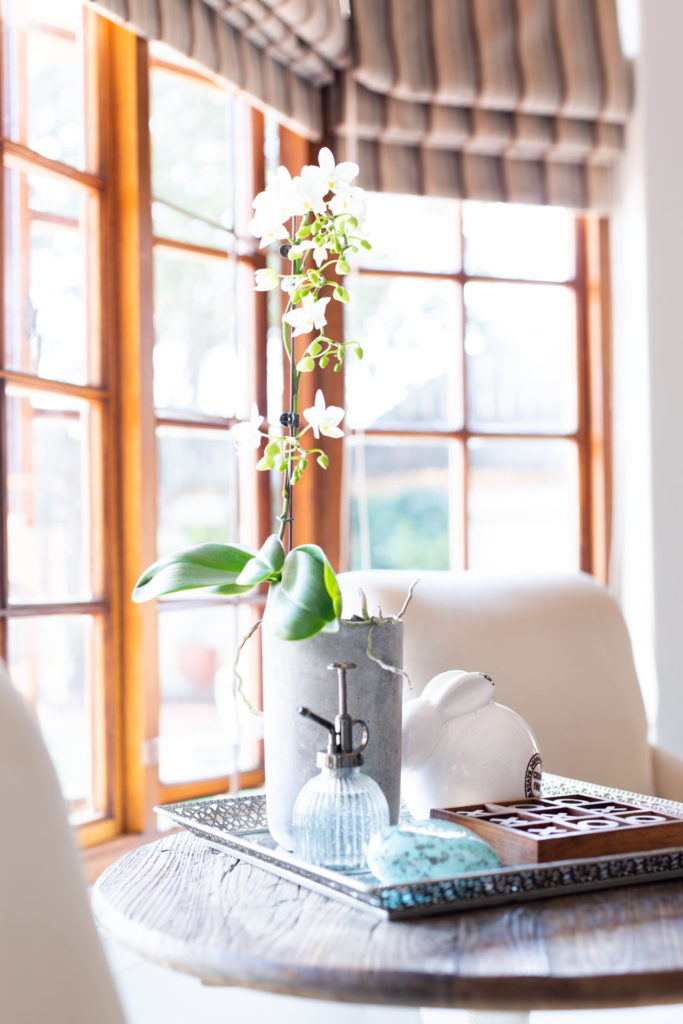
421	851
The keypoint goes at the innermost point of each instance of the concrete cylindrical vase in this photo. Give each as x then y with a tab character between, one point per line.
295	673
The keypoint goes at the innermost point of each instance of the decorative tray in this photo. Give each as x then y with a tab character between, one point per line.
238	826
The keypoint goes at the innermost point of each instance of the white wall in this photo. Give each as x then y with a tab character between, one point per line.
647	242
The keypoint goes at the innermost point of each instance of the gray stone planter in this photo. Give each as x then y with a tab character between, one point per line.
295	673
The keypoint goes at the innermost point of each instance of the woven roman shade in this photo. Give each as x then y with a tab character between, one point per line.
503	100
280	53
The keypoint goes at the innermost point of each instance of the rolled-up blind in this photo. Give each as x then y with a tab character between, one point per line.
507	100
281	53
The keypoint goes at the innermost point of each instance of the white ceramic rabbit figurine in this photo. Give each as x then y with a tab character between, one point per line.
459	747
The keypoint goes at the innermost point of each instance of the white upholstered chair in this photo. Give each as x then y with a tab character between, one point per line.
558	650
52	966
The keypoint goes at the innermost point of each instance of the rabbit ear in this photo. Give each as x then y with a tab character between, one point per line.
421	728
457	693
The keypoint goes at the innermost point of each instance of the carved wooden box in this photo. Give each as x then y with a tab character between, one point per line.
568	827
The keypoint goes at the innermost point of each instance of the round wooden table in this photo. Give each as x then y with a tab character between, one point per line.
183	904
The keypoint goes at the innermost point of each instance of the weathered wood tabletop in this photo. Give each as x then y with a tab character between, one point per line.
183	904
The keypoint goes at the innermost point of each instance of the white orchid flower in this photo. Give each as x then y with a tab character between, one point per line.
308	192
297	250
319	254
324	419
349	200
246	435
279	197
339	176
268	228
310	316
266	279
289	284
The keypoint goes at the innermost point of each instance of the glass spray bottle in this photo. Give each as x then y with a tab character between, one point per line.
339	810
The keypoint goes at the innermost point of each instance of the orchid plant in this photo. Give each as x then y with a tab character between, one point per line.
315	219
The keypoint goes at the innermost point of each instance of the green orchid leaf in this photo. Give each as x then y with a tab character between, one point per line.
206	565
307	599
265	565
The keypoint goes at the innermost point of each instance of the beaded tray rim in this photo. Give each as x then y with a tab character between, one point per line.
243	833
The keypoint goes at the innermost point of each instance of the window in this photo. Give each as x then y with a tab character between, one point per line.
470	442
204	327
59	553
132	340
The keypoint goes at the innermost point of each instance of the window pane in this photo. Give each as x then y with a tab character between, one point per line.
404	500
520	344
411	233
191	147
410	373
47	257
50	493
205	731
197	498
171	223
44	56
53	662
196	363
509	240
523	505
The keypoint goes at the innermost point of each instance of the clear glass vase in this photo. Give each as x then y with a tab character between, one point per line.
336	815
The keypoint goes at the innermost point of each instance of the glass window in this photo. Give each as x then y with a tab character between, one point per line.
43	51
404	497
204	329
206	730
50	485
520	350
54	663
522	505
509	240
463	428
424	237
78	350
411	370
196	364
192	157
50	247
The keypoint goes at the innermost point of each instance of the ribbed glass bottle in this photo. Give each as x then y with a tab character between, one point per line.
336	815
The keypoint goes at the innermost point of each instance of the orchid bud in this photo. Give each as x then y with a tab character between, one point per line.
265	279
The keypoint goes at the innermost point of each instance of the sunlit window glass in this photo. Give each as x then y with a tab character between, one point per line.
43	54
523	505
455	350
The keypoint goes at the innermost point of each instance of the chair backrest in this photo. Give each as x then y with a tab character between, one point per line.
52	966
556	646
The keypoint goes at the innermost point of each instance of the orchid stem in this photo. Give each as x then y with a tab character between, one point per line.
287	517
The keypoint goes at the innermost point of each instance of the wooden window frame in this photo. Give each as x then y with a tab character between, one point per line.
100	397
117	77
117	73
590	288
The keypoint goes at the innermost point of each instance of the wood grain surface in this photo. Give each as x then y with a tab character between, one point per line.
183	904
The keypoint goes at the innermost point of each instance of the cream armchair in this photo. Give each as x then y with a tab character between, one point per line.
52	966
558	650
